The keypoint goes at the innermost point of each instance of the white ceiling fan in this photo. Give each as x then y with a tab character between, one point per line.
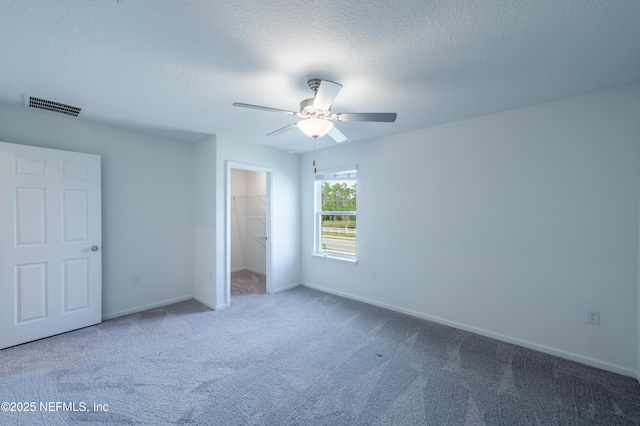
316	111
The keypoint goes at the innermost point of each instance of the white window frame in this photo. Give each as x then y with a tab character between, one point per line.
346	173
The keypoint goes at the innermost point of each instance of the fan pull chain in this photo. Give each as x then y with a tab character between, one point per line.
314	157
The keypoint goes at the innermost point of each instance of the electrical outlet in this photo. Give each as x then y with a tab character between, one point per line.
136	280
592	316
373	275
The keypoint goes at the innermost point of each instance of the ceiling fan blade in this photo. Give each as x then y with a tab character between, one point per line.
336	135
238	104
385	117
282	129
327	92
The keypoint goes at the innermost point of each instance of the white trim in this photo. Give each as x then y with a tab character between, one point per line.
330	174
205	303
289	287
147	307
614	368
337	258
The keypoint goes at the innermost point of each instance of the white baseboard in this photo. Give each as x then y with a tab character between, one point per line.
146	307
540	348
205	302
289	287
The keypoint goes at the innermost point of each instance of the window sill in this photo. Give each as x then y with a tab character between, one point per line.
334	258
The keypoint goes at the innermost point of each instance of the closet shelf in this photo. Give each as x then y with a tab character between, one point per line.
261	219
261	197
261	240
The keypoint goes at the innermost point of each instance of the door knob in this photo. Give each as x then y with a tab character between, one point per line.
95	248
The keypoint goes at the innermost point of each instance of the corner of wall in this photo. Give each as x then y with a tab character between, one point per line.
204	228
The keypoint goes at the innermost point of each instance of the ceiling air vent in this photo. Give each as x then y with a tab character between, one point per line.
53	106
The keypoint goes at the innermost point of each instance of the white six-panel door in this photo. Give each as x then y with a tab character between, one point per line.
50	242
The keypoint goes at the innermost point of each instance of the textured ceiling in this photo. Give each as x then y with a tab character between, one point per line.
174	68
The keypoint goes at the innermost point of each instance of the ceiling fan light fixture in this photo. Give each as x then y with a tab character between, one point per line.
317	118
315	127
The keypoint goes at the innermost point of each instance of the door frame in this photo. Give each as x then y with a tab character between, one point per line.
269	209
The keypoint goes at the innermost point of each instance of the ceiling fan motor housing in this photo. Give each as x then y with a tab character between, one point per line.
307	109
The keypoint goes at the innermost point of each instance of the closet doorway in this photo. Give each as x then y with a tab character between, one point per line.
248	230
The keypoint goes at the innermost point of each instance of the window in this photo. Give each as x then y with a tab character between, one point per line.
335	214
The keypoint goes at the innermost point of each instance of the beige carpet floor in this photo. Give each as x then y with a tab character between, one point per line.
248	282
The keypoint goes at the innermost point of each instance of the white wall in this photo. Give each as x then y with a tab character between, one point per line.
210	168
204	229
238	220
146	198
509	225
256	257
246	251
